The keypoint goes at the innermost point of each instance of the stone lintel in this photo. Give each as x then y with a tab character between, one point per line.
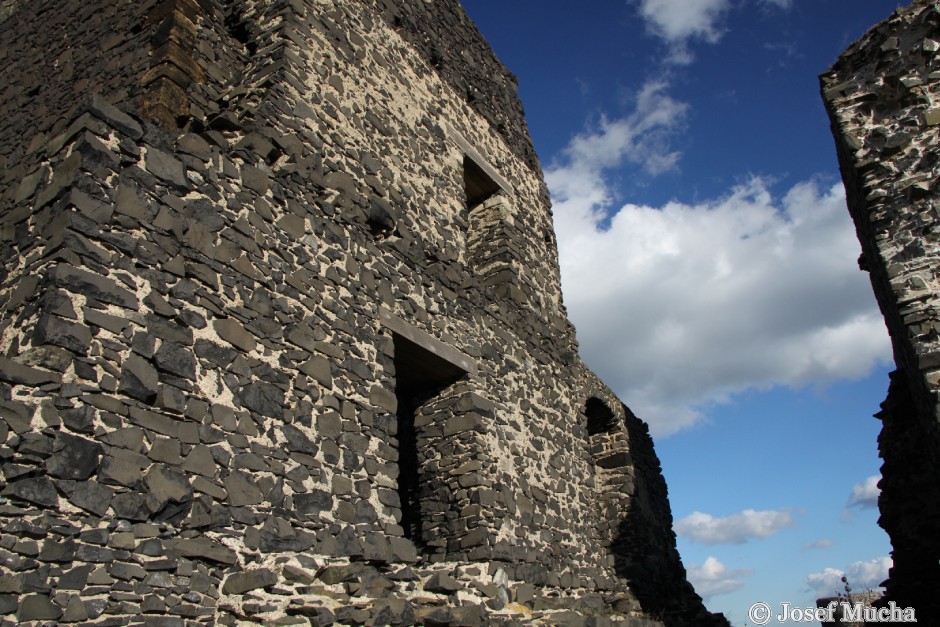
427	342
475	156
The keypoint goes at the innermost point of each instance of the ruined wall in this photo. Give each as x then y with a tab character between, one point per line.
282	332
883	97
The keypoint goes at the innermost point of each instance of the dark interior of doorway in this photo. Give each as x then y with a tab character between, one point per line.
420	377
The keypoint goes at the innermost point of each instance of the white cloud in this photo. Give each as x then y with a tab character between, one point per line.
641	139
824	543
678	22
713	578
682	306
860	575
735	529
826	583
865	494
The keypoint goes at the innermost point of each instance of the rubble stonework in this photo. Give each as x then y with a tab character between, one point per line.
883	98
282	335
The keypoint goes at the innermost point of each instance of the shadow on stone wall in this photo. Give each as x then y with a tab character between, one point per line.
644	546
907	482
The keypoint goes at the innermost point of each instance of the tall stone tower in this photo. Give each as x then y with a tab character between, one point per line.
282	337
883	98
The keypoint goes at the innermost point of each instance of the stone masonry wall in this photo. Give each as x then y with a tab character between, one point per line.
883	97
259	362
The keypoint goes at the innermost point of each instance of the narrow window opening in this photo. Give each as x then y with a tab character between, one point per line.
600	418
478	184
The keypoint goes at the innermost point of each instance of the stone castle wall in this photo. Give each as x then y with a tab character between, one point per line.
282	332
883	97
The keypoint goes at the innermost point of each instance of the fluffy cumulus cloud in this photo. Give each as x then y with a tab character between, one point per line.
679	21
713	578
865	494
860	575
735	529
681	306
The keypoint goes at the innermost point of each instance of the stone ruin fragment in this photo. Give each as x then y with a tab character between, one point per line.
883	99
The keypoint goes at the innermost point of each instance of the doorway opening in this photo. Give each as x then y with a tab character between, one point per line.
421	377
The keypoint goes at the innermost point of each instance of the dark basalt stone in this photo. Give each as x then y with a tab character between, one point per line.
239	583
73	457
261	397
313	502
442	584
139	379
95	286
35	607
59	332
298	441
176	360
89	495
38	490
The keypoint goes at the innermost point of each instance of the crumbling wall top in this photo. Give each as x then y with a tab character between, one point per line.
451	43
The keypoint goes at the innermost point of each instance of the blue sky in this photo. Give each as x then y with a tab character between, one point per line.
709	264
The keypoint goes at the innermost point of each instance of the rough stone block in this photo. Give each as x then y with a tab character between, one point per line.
442	583
17	416
313	502
37	607
240	583
331	575
115	118
298	441
470	421
617	460
176	360
165	484
201	462
59	332
242	490
89	495
205	548
73	457
255	179
166	168
139	379
262	397
38	490
383	398
320	368
94	286
128	203
329	425
234	333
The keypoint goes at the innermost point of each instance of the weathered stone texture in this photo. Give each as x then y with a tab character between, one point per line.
282	333
883	98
